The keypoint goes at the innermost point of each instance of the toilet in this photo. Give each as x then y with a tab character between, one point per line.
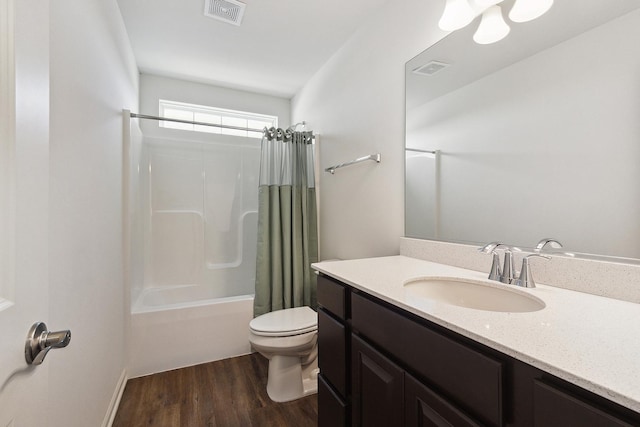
288	338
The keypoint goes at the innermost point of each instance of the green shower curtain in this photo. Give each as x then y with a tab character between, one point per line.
287	223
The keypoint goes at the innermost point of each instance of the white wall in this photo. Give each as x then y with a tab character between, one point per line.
153	88
93	77
356	103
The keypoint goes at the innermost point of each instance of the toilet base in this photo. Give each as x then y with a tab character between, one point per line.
289	380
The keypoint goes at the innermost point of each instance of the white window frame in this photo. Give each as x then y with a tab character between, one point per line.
214	115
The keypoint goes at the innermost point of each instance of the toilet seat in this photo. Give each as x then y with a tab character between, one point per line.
284	323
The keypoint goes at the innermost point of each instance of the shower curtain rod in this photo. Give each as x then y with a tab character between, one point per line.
417	150
191	122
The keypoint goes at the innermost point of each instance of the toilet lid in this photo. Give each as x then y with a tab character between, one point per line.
282	323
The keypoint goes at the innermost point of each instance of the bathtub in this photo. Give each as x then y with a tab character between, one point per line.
175	327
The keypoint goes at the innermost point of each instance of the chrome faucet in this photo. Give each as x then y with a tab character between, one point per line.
548	241
507	272
526	278
507	269
490	248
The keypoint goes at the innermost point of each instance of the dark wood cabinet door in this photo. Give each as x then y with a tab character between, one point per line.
377	388
332	410
555	407
425	408
332	359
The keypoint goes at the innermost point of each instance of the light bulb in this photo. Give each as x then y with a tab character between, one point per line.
528	10
487	3
492	28
457	14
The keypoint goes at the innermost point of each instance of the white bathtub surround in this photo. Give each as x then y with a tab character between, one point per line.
190	246
179	335
581	338
599	277
197	211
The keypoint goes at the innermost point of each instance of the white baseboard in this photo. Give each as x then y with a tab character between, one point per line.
115	400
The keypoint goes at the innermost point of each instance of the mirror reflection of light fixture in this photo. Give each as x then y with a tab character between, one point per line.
492	28
457	14
528	10
460	13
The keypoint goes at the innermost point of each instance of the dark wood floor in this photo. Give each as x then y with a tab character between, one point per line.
225	393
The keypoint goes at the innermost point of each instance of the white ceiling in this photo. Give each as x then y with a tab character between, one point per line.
276	50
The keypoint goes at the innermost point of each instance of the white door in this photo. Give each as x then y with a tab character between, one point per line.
24	173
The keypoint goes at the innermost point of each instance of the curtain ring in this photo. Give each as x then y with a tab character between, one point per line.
269	133
280	134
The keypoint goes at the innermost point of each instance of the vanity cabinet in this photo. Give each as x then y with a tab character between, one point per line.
383	366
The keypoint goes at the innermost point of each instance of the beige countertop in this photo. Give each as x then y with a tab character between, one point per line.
588	340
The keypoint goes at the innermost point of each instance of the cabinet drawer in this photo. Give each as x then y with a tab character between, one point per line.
332	411
424	407
332	296
332	357
470	379
555	407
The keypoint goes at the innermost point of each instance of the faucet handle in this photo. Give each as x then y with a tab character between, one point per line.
526	278
496	272
490	248
547	241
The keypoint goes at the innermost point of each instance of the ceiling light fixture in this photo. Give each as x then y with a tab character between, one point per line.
528	10
492	28
487	3
458	14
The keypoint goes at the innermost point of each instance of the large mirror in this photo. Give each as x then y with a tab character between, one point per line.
535	136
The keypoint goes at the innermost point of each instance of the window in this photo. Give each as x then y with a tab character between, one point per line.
219	116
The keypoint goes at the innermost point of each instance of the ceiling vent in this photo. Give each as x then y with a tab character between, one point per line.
430	68
229	11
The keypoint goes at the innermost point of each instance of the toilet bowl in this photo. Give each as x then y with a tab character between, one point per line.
288	339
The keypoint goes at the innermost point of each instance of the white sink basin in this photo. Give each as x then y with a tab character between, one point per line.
473	294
